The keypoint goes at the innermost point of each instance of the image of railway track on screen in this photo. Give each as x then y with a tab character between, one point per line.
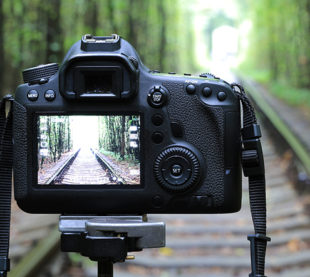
89	150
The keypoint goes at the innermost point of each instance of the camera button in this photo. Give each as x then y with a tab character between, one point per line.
206	91
32	95
157	201
221	96
177	129
157	96
157	119
190	89
50	95
176	170
157	137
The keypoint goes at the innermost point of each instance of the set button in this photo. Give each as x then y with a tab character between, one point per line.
176	170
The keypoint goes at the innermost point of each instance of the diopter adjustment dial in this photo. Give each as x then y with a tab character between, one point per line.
39	74
177	169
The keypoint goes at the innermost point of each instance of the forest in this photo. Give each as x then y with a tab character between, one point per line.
34	32
119	137
54	138
278	54
166	34
280	39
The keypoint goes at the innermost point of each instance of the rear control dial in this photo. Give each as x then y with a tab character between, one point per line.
177	169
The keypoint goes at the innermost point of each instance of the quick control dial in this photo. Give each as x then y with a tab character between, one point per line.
177	168
39	74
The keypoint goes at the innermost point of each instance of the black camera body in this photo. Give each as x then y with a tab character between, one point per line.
105	135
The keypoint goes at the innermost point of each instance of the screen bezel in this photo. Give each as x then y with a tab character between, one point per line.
35	184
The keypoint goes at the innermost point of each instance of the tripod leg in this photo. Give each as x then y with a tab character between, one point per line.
105	268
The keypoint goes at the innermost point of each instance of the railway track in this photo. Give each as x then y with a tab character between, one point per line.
85	166
197	245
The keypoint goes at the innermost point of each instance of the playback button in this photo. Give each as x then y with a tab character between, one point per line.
157	96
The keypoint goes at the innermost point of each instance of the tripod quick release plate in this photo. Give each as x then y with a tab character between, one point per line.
109	237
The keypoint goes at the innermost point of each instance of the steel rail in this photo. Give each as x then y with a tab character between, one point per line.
63	169
292	140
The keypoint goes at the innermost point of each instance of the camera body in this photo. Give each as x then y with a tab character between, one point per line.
105	135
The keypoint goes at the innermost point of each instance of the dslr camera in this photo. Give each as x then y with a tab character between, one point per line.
102	134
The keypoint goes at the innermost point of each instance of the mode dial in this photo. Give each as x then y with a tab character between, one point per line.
39	74
177	169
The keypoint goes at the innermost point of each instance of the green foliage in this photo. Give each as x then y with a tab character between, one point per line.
294	96
114	137
36	32
55	131
279	43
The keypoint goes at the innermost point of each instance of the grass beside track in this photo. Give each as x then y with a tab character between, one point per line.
293	141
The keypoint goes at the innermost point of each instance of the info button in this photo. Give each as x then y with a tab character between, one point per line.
50	95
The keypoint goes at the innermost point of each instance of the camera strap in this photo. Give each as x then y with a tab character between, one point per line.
253	168
6	157
252	163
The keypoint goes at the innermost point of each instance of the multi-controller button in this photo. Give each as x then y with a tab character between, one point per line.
206	91
157	137
32	95
190	89
50	95
157	96
221	95
157	119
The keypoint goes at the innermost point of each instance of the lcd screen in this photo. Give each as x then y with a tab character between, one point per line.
88	150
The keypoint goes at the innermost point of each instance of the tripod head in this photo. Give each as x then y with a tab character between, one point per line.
108	239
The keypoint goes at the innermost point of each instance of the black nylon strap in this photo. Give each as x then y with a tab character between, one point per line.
257	184
6	156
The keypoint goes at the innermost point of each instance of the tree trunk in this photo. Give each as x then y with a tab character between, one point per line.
132	37
54	44
163	39
91	16
123	138
111	16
